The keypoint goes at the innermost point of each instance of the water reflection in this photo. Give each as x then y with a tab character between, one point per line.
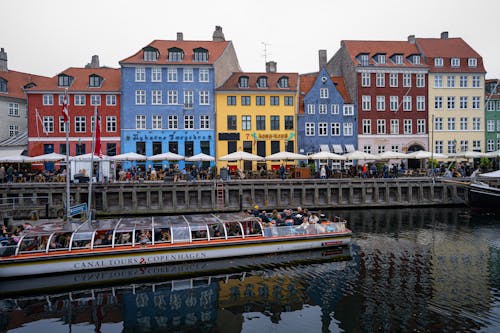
419	269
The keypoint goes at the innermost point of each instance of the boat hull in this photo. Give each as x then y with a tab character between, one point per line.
484	197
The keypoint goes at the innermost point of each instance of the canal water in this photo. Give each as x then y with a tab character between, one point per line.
409	270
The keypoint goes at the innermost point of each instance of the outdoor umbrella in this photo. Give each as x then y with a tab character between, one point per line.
88	157
285	156
493	174
200	158
241	156
423	154
325	155
166	157
15	159
360	155
391	155
128	157
52	157
492	154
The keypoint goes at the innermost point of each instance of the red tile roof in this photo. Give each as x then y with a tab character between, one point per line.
496	93
215	50
16	81
272	81
307	82
111	80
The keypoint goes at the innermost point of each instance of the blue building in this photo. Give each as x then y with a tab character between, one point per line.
168	101
326	119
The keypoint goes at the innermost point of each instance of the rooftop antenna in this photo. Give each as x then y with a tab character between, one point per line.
266	51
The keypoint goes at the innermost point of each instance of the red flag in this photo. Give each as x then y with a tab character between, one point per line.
97	147
65	107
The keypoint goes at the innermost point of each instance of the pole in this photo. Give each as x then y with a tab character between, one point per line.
432	146
89	200
66	128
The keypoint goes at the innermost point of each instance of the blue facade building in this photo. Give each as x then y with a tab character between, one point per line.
326	117
168	101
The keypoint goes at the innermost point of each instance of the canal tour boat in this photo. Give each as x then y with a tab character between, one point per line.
52	248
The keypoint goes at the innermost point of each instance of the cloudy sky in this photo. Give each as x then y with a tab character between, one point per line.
46	37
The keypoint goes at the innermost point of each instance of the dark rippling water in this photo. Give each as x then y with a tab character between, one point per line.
409	270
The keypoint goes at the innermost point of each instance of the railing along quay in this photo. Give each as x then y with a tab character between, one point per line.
21	200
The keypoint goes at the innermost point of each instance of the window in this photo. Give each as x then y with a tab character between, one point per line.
407	124
14	109
380	79
322	129
476	124
498	127
455	62
111	100
95	100
156	122
407	103
451	102
438	102
275	100
245	100
80	124
188	99
260	123
275	122
450	81
365	79
150	54
420	103
335	108
420	80
490	145
335	129
452	146
260	100
175	54
188	148
231	100
275	147
490	106
289	122
203	75
463	81
140	121
156	97
310	129
348	129
140	74
380	149
188	122
283	82
204	122
476	81
157	147
349	110
416	59
438	81
289	100
366	103
381	126
464	102
311	108
3	85
172	75
172	97
476	102
173	122
438	62
64	80
48	99
463	123
140	97
472	62
464	145
188	75
393	80
394	126
243	82
406	80
380	103
394	103
363	60
204	97
476	145
367	126
62	126
322	109
381	58
156	74
200	55
231	123
398	59
438	124
95	81
262	82
438	146
61	99
490	125
111	124
367	149
323	93
451	124
246	123
79	100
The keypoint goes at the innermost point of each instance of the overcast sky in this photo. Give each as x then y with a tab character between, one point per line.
46	37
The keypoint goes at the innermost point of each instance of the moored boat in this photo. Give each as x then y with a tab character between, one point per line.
484	197
127	242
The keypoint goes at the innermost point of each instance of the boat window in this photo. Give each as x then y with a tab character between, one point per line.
143	237
217	231
234	229
199	232
180	234
103	238
82	240
162	235
31	244
123	237
60	241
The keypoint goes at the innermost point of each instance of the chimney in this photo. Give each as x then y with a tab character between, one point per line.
3	61
444	35
411	39
322	58
94	63
218	35
180	36
271	67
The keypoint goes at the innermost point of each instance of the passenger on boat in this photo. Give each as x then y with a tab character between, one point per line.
3	235
280	222
125	238
165	235
313	218
143	238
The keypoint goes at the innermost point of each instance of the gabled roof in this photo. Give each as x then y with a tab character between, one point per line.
231	83
496	93
389	48
16	81
307	82
214	48
110	76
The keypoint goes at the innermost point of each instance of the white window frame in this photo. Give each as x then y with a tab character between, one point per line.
322	109
140	74
367	126
95	100
463	123
335	129
420	103
420	80
438	123
156	122
322	129
394	103
323	93
14	109
476	81
380	77
335	108
156	74
438	62
311	108
348	110
204	75
348	129
111	124
476	102
111	100
310	129
140	121
463	79
406	80
173	97
476	124
381	126
204	121
421	128
48	123
450	81
173	122
393	80
365	79
472	62
80	124
452	125
438	81
394	130
187	75
188	121
407	126
380	103
140	97
366	102
407	103
204	97
172	75
455	62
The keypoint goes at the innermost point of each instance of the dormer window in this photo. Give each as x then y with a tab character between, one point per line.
151	54
416	59
3	85
455	62
472	62
262	82
381	58
95	81
175	54
200	55
397	59
64	80
283	82
363	59
438	62
29	85
243	82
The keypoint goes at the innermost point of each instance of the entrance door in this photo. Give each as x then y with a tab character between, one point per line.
48	148
414	163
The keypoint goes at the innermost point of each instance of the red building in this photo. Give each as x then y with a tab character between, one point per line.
87	88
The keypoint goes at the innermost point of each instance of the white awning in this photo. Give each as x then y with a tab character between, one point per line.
349	148
324	148
337	149
10	152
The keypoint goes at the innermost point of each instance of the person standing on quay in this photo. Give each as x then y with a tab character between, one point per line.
282	172
322	172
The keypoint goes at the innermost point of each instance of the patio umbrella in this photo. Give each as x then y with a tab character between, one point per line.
200	158
285	156
168	156
241	156
360	155
128	157
15	159
88	157
492	154
493	174
325	155
391	155
52	157
423	154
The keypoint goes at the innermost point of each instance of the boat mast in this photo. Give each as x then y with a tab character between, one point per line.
89	200
66	128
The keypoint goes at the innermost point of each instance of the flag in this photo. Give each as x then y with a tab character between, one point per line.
39	118
65	107
97	146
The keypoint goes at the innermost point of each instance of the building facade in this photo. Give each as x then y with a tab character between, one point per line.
492	114
388	82
326	118
256	114
456	94
87	89
168	95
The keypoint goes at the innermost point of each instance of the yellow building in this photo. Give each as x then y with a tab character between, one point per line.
456	94
255	113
